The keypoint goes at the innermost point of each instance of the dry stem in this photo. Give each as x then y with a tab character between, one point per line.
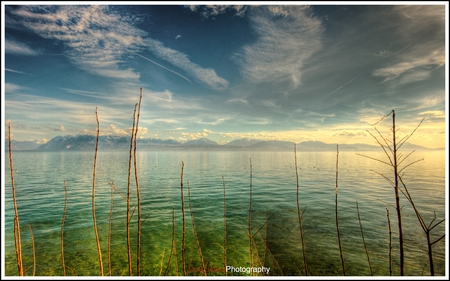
62	230
17	238
100	261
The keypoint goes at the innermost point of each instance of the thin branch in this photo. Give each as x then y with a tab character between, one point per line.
401	143
62	230
99	251
34	249
138	192
364	241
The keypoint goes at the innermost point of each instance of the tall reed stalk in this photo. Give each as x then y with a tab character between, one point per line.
397	199
138	192
111	204
17	238
183	240
224	227
130	268
300	215
250	235
195	231
62	229
390	242
34	249
364	240
99	251
173	242
336	210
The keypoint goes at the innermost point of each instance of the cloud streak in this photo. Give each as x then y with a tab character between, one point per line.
98	38
17	48
287	38
176	73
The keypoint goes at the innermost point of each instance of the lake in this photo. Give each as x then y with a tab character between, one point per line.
39	181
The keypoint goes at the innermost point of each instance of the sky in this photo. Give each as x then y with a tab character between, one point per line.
272	72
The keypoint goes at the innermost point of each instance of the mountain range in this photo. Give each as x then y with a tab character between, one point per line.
87	142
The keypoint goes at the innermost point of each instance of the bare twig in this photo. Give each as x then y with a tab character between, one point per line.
336	210
138	192
34	249
364	240
300	215
110	230
183	240
173	242
130	268
250	236
390	242
100	261
17	238
162	259
62	230
195	231
224	227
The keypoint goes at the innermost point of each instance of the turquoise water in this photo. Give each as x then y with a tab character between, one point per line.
39	178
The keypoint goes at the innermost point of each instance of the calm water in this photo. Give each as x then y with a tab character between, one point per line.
39	178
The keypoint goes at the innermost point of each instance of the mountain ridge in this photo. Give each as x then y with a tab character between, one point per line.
87	142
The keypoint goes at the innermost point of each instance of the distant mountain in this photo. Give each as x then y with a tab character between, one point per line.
274	145
321	146
201	142
87	142
242	142
69	142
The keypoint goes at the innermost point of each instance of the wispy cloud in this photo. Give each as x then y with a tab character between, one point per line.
287	37
13	88
205	76
99	40
16	71
414	60
162	66
214	10
18	48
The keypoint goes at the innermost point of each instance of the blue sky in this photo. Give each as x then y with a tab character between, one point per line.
293	72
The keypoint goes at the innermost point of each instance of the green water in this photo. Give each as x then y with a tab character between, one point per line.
39	180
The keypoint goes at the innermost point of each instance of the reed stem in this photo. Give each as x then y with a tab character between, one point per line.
173	242
224	227
390	242
138	192
195	231
300	215
130	268
337	220
110	229
397	198
250	235
364	240
100	261
34	249
17	238
62	230
183	240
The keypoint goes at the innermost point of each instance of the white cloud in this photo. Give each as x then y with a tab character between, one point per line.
18	48
288	37
98	39
414	66
214	10
13	88
206	76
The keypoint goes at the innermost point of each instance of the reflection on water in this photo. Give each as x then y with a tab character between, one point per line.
39	178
